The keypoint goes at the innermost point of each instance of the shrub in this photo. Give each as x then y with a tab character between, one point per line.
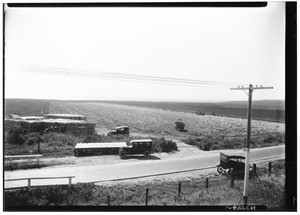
163	145
92	138
206	145
60	139
269	138
274	137
32	138
15	135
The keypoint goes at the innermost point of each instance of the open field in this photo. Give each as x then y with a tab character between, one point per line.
266	110
273	110
156	121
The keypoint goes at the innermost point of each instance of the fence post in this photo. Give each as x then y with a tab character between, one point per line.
179	189
206	183
38	162
10	163
39	150
29	183
231	178
254	169
147	196
270	168
108	200
70	181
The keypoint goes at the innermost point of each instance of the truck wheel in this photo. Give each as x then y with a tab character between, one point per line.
122	155
220	169
147	154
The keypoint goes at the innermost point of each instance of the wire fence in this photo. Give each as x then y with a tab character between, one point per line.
176	192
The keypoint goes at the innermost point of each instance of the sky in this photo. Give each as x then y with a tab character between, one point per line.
93	53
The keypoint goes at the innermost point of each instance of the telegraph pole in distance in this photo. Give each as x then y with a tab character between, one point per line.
247	149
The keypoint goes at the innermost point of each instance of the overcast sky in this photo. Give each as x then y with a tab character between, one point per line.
69	53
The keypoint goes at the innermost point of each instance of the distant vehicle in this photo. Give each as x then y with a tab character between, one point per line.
119	130
136	147
200	113
235	162
179	125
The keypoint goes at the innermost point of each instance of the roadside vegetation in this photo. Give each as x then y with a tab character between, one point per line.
53	144
208	143
267	190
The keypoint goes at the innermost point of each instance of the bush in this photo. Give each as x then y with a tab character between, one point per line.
60	139
15	135
32	138
277	137
163	145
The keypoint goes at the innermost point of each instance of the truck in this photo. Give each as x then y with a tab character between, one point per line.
123	149
136	147
119	130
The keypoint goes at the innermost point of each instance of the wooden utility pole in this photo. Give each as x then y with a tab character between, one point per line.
247	149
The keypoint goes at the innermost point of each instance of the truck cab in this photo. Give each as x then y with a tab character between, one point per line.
135	147
119	130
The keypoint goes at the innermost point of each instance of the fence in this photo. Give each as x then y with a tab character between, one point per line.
40	178
178	189
11	157
203	184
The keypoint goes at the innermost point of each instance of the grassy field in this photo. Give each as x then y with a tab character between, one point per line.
267	110
157	121
264	190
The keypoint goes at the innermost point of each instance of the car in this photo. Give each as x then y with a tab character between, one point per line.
119	130
135	147
234	162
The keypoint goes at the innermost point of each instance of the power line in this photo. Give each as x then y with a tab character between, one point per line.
127	77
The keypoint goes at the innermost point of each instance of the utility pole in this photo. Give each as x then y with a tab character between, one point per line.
247	149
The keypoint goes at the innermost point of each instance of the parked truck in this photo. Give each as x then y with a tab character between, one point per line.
119	130
123	149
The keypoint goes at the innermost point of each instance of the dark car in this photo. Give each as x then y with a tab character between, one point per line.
135	147
119	130
234	162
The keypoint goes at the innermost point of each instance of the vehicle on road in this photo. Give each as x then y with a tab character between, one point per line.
234	162
136	147
119	130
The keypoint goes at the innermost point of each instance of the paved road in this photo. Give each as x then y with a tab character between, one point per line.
131	170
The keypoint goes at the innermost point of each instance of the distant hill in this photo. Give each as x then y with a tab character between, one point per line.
256	104
27	107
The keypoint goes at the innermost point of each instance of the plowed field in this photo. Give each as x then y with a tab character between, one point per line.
157	121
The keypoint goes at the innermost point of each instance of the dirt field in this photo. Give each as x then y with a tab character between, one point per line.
155	121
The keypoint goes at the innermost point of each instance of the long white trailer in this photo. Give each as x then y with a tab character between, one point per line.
134	146
98	148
